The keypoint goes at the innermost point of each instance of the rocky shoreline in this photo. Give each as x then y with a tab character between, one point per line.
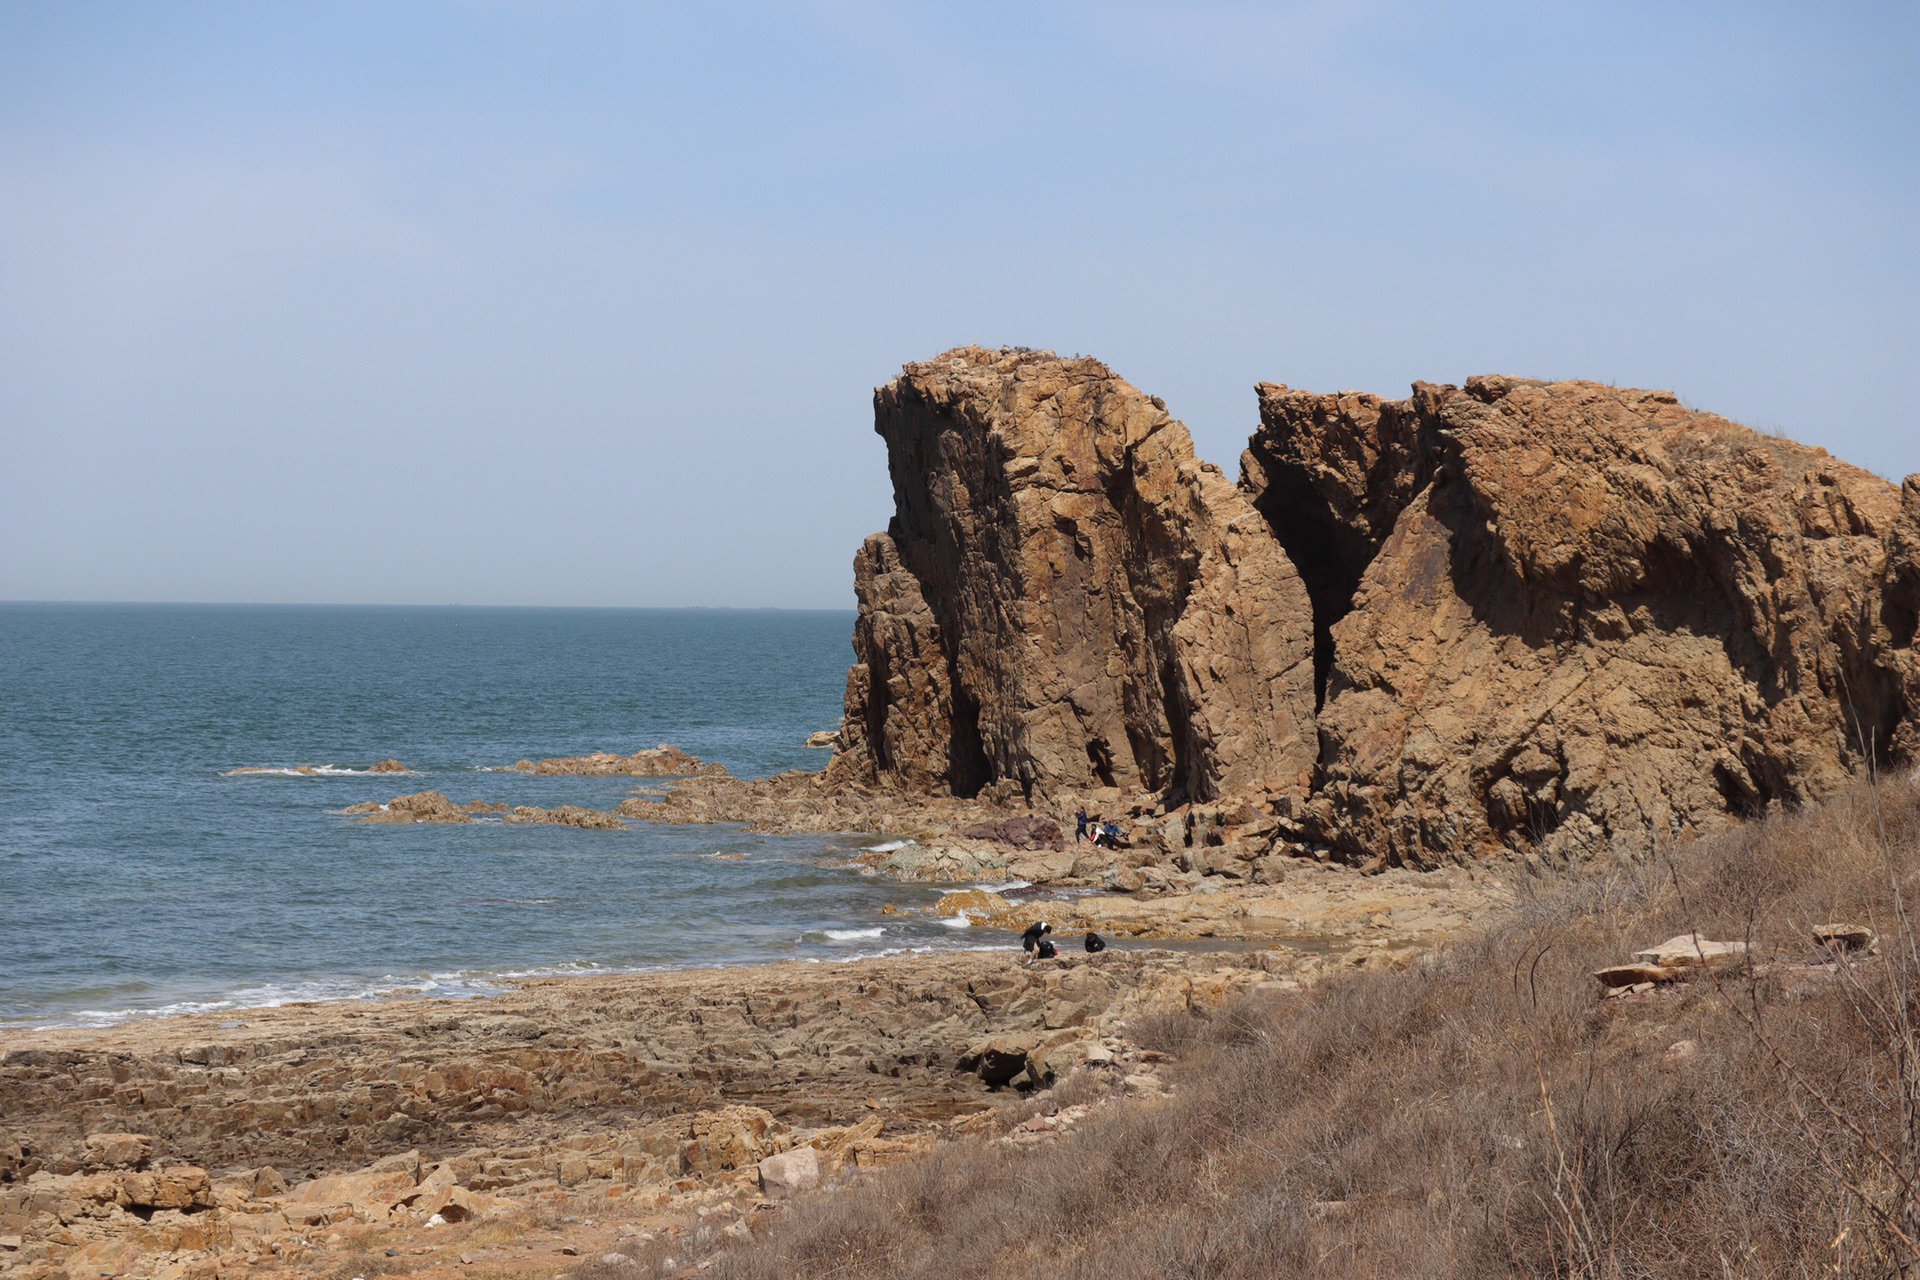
573	1115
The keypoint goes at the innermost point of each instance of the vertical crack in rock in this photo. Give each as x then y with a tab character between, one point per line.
1067	599
1567	618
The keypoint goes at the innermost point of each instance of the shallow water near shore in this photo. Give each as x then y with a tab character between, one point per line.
138	876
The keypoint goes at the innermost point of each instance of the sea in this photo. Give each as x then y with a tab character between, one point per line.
141	875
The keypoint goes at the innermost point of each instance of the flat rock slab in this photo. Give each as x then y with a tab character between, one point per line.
1691	951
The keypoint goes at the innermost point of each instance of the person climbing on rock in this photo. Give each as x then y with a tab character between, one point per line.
1080	826
1043	950
1095	942
1036	933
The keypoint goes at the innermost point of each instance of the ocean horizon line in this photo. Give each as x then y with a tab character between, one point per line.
343	604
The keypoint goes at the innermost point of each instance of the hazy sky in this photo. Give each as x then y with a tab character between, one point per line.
568	303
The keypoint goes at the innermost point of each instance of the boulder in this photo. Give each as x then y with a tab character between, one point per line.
1691	952
1573	619
974	903
1632	975
1840	937
824	740
1067	598
789	1172
389	765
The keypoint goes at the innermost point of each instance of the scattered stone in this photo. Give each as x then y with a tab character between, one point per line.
1628	975
1679	1055
1845	937
1691	952
788	1172
824	740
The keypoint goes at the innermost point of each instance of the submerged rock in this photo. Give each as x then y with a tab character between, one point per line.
663	761
421	806
567	815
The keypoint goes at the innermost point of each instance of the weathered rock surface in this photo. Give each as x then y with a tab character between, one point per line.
432	806
1067	598
421	806
567	815
663	761
271	1145
1573	619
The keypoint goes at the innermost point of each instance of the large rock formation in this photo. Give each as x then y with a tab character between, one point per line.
1067	599
1559	619
1570	618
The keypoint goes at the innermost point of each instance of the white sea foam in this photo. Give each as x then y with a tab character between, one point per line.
315	771
889	846
274	995
848	935
1008	887
957	922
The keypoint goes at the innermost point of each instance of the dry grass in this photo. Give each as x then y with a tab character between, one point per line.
1485	1113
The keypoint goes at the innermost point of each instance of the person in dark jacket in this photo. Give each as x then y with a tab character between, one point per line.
1095	942
1036	931
1043	949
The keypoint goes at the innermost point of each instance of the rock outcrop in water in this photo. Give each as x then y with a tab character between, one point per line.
1572	617
1510	617
1067	598
663	761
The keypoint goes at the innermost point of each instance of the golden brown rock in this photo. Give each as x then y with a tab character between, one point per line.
421	806
1067	598
1572	618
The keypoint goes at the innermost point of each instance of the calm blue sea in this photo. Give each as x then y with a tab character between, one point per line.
136	879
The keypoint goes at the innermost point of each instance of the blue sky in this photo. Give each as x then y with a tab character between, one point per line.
575	303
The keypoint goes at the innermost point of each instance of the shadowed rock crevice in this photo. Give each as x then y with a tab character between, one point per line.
1598	619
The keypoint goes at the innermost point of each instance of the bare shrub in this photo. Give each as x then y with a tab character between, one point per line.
1485	1113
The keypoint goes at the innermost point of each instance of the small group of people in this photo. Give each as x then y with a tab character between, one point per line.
1104	835
1036	942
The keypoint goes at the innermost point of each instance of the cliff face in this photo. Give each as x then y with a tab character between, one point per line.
1068	599
1511	617
1580	618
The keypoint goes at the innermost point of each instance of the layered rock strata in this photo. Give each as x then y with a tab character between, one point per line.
1572	618
1067	598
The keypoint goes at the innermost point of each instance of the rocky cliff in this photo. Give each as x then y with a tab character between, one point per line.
1068	599
1569	617
1523	617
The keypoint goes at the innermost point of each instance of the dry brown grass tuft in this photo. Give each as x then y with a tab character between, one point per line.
1486	1113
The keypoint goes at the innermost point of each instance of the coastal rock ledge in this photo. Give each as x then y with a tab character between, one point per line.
1513	618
